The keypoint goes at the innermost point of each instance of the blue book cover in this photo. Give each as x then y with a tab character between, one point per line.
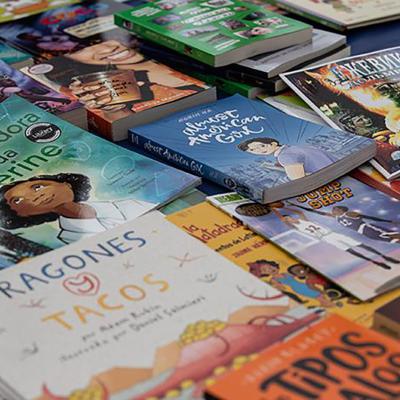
10	55
252	148
60	184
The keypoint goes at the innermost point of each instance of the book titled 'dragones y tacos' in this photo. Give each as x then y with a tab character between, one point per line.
130	314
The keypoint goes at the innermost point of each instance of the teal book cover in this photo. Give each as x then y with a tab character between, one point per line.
205	30
59	183
10	55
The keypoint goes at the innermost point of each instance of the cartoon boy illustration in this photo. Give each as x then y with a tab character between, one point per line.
63	197
298	161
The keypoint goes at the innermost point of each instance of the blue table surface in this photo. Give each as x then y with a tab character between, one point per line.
362	40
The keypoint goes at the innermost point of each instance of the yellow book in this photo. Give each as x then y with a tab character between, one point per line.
250	251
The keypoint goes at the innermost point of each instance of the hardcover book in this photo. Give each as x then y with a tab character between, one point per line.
250	251
59	184
252	148
131	314
215	32
332	359
359	94
16	9
13	81
387	318
119	86
64	29
345	230
344	14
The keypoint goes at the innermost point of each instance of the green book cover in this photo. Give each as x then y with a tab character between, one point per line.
209	30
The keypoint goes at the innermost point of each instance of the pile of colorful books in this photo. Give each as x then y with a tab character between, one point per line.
198	199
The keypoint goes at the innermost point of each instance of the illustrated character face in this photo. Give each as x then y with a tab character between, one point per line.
260	148
338	211
290	220
108	52
300	271
259	30
263	269
38	197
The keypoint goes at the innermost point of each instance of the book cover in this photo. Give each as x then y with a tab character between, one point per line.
359	94
13	81
16	9
345	230
332	359
115	81
344	14
387	318
250	251
211	30
248	146
64	29
130	314
11	55
59	183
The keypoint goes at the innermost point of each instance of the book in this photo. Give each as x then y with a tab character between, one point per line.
60	184
215	32
253	70
13	81
358	94
250	251
189	199
344	14
345	230
131	314
16	58
65	29
332	359
16	9
387	318
369	175
252	148
119	86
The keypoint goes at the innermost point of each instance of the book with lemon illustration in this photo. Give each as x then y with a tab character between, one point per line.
60	184
131	314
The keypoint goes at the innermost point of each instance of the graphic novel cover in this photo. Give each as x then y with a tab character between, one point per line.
130	314
13	81
332	359
250	147
59	184
115	81
11	10
213	31
345	230
65	29
359	94
230	238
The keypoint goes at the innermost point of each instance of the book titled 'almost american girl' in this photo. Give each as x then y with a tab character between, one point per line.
252	148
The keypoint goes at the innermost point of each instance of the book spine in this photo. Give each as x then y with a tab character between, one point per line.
188	164
169	42
98	125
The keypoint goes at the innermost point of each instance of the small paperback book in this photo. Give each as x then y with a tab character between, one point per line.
344	14
143	311
359	94
252	148
332	359
59	183
215	32
262	258
345	230
13	81
119	86
387	318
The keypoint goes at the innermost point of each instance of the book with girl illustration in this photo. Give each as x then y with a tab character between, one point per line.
59	184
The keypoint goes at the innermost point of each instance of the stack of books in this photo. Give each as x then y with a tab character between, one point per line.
277	278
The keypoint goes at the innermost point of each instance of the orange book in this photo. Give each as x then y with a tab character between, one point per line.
335	359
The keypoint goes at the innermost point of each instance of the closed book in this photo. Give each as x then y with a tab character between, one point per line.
250	147
387	318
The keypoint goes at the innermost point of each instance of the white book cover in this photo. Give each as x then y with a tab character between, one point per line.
142	311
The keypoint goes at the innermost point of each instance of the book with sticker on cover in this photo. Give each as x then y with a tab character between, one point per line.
215	32
131	314
60	184
359	94
252	148
345	230
344	14
332	359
